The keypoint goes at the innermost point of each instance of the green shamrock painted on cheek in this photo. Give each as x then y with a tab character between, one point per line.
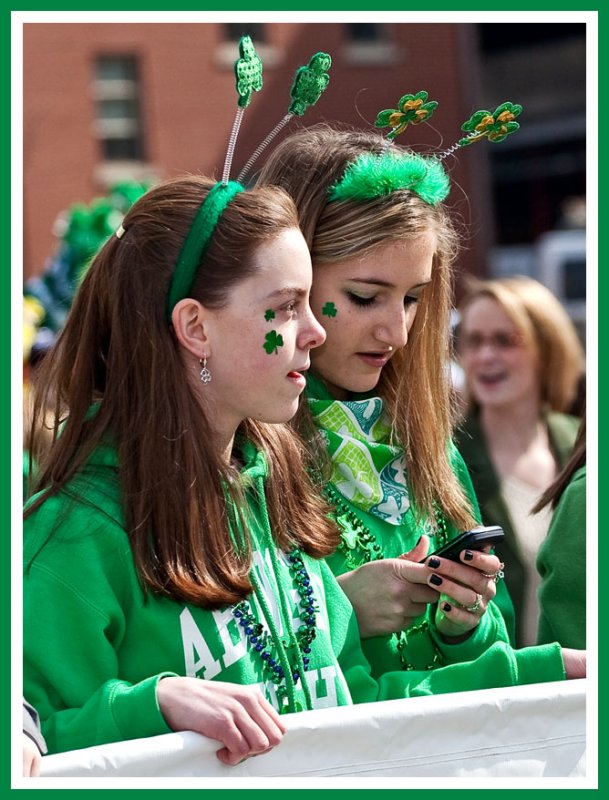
269	315
272	341
329	310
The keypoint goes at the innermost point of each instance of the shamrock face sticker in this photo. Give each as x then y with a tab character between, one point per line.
273	341
269	314
329	310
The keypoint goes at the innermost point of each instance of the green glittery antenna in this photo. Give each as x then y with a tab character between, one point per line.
310	81
248	74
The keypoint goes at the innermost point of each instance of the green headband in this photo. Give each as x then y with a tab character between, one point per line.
197	241
374	175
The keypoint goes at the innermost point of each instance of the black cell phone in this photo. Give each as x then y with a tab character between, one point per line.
475	539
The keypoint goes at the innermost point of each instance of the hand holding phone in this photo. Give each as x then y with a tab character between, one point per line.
474	539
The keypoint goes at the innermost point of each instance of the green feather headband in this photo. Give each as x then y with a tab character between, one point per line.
372	175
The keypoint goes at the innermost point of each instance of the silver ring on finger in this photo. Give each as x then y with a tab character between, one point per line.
496	576
476	605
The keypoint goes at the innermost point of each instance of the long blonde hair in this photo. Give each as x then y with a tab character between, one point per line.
415	384
545	328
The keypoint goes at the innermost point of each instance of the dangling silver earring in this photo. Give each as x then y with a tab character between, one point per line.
205	374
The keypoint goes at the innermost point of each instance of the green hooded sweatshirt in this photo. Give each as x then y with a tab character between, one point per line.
95	646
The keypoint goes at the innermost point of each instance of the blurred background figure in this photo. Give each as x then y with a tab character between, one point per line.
522	361
79	231
561	561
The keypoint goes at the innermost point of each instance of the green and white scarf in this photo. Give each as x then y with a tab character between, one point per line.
366	469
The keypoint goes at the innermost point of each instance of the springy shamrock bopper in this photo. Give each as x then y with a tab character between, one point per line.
309	84
248	74
412	110
373	175
495	126
310	81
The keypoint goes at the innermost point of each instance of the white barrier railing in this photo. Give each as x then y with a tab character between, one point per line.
525	731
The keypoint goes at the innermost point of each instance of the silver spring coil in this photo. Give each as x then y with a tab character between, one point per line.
232	141
263	145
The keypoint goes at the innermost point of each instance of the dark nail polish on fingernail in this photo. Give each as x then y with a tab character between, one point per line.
468	555
436	580
433	562
447	607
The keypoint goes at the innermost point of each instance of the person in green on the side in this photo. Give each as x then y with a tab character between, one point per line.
561	561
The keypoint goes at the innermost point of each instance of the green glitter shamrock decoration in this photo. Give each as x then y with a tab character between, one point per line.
248	71
272	341
495	127
412	108
309	83
269	314
329	310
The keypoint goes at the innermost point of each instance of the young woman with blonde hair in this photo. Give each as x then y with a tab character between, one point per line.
378	414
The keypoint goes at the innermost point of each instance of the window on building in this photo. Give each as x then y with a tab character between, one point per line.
369	44
235	30
230	33
118	123
365	31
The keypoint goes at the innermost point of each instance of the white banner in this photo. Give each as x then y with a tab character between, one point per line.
524	731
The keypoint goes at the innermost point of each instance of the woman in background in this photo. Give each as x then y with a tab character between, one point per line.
522	361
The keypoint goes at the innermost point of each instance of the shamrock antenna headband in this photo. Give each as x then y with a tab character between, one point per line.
373	175
309	83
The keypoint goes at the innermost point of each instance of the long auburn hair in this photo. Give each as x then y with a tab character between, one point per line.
117	349
415	383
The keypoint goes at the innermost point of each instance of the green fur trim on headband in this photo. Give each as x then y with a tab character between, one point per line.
372	175
197	240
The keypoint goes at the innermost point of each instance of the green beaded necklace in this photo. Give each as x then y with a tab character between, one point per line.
276	663
284	659
363	547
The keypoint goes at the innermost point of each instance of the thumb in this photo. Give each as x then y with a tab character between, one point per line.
419	551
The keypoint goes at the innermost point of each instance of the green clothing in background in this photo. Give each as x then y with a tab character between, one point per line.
95	646
562	430
561	562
